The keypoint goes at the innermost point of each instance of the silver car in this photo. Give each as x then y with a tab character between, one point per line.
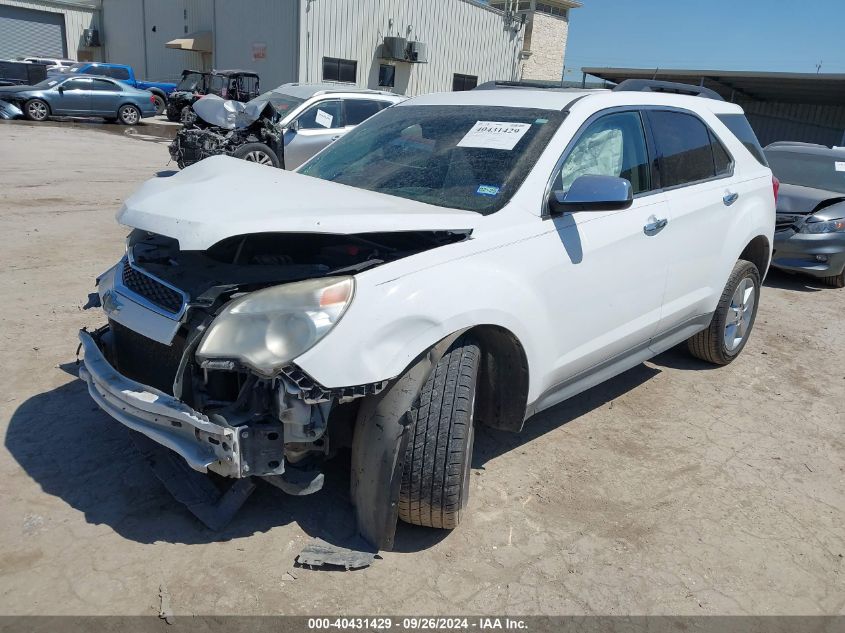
281	128
81	96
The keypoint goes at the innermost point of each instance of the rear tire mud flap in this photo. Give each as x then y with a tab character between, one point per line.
378	449
215	508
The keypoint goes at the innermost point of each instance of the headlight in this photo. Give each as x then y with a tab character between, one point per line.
831	226
267	328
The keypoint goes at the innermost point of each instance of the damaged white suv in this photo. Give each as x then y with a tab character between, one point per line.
458	259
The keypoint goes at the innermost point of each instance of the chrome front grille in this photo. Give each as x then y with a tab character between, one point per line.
151	289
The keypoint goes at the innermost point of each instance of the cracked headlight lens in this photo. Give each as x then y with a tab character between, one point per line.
831	226
267	328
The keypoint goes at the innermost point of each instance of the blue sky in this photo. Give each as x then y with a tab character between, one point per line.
770	35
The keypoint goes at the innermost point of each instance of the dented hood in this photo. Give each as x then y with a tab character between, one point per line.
221	196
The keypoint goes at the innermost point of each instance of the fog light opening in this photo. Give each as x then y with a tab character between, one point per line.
821	258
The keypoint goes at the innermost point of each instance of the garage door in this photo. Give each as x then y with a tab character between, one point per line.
28	32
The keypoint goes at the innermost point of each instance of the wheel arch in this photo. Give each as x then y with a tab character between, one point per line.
158	92
503	379
759	252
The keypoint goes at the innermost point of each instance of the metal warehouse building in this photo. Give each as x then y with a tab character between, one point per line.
407	46
806	107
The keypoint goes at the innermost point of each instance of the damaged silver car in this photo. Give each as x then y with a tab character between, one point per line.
281	128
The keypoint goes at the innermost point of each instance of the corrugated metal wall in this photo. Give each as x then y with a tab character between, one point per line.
136	32
246	30
462	36
803	122
77	19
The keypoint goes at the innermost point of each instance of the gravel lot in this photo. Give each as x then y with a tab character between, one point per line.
673	489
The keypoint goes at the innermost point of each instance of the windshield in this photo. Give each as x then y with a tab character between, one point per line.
47	83
462	157
283	103
190	82
809	170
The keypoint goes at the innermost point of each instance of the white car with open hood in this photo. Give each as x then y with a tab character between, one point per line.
458	259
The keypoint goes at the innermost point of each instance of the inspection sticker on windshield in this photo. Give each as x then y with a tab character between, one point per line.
487	190
494	135
323	118
839	165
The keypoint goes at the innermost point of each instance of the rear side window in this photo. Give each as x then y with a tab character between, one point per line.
688	149
359	110
739	126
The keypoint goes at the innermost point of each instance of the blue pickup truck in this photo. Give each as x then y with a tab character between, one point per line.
125	74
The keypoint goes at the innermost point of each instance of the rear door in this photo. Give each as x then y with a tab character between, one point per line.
696	175
105	97
316	127
356	111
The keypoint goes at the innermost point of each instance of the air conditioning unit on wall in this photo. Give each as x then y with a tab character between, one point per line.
417	53
394	48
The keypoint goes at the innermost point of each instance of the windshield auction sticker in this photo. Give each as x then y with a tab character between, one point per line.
494	135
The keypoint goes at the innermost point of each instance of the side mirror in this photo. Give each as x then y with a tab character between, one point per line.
593	193
61	89
294	125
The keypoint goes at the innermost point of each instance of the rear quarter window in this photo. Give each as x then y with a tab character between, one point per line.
739	127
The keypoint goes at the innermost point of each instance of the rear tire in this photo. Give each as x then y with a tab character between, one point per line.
257	153
733	320
837	281
128	115
160	103
435	475
174	114
36	110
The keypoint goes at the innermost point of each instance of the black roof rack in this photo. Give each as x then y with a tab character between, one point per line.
652	85
495	85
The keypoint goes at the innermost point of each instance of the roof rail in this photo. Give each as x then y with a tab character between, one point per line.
652	85
495	85
796	144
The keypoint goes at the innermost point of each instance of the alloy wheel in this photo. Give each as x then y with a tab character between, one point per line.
37	110
740	313
259	157
129	116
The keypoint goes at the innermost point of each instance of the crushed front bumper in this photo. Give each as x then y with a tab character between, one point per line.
820	255
203	444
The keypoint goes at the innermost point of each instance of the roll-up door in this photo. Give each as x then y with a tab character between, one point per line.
25	32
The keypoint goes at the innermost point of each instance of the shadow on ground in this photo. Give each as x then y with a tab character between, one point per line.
796	282
76	452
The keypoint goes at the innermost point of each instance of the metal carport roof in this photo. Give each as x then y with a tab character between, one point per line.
820	89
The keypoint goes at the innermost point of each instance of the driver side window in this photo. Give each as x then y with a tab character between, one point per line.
613	145
321	116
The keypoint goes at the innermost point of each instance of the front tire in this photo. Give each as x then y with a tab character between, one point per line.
257	153
129	115
435	476
36	110
173	114
733	320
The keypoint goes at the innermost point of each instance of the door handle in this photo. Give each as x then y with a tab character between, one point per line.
730	198
334	138
654	225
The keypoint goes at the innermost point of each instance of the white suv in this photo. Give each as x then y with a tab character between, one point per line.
458	259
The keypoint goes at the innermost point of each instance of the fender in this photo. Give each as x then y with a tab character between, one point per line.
378	448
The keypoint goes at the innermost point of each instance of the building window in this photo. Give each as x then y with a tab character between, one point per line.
345	70
463	82
552	10
386	75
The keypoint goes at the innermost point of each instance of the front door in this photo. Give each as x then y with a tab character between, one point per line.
72	97
315	128
604	272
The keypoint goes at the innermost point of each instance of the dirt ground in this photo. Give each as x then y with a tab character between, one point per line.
672	489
